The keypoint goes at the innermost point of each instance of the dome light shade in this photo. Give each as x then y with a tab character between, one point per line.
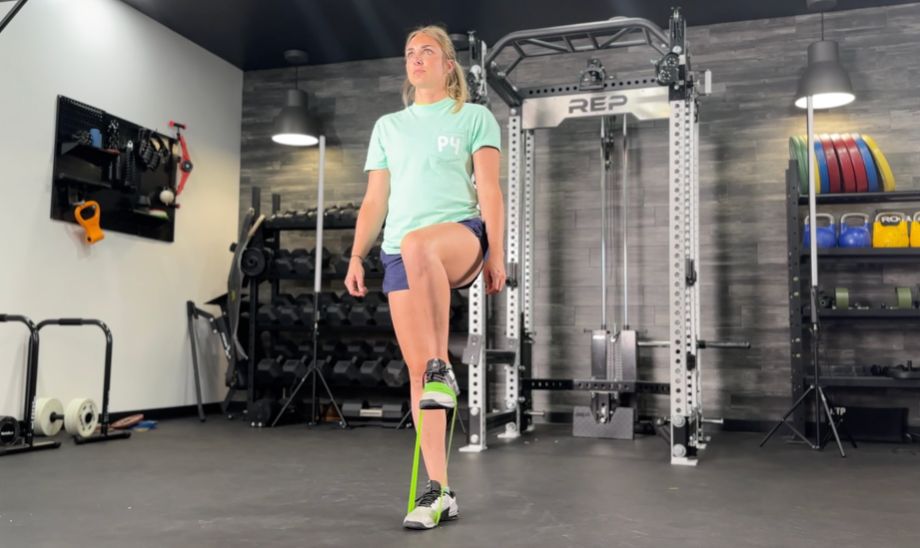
824	79
294	126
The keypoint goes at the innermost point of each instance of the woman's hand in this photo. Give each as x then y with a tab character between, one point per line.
354	279
494	274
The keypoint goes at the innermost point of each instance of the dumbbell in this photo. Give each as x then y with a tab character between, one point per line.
9	431
305	308
396	374
357	349
267	315
294	370
284	262
339	263
394	411
331	216
331	348
388	350
287	309
80	418
348	371
374	266
351	409
327	255
268	370
382	311
361	310
371	372
335	311
903	299
303	262
311	216
326	366
348	214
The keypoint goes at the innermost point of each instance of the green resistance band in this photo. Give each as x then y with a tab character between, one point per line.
413	483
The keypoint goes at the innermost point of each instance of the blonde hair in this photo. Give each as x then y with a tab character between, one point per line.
456	80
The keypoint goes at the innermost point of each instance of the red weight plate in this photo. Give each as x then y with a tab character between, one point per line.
847	174
859	167
833	166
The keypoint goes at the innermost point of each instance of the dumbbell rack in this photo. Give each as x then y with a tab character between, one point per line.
799	283
270	237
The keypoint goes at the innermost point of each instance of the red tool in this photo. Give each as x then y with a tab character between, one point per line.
186	165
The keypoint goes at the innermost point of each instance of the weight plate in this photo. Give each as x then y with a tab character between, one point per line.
49	413
847	174
833	167
881	163
9	431
859	168
252	262
795	153
841	298
905	300
871	171
822	167
803	147
81	417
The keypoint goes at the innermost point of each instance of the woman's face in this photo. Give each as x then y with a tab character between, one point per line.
426	66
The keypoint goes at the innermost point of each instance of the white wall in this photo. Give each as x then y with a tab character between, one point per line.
106	54
6	7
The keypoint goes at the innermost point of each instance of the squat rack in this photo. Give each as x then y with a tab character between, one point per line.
671	93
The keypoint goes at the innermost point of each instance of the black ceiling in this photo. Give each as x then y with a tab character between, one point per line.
252	34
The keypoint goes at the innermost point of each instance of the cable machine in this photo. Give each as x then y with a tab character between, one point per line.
672	93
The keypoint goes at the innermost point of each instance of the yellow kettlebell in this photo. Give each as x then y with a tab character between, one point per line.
915	231
890	229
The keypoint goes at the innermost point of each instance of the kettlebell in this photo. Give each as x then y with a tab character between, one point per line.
915	231
890	229
854	235
827	235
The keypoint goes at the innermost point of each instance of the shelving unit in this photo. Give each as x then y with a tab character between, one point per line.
270	237
799	275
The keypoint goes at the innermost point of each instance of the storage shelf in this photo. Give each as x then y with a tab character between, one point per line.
295	224
864	255
326	276
89	153
337	329
865	382
864	197
876	314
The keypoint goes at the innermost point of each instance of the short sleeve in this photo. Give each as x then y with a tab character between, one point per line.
486	132
376	154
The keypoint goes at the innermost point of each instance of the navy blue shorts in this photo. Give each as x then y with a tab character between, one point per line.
394	271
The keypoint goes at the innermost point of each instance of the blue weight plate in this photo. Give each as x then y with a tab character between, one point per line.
822	167
871	170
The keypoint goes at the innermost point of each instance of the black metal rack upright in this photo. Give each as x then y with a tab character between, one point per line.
798	259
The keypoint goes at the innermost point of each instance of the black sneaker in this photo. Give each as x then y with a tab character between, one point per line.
440	389
433	507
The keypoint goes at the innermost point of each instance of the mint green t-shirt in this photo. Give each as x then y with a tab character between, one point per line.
428	150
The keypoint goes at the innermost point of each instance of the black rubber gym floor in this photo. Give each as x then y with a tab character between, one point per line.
222	483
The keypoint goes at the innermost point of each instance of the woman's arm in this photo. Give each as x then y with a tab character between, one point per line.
370	219
486	167
372	213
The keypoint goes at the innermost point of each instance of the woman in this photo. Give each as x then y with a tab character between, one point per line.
420	163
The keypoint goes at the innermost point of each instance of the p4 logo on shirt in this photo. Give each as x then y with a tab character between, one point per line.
449	142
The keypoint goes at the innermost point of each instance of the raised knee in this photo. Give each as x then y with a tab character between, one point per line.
415	249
